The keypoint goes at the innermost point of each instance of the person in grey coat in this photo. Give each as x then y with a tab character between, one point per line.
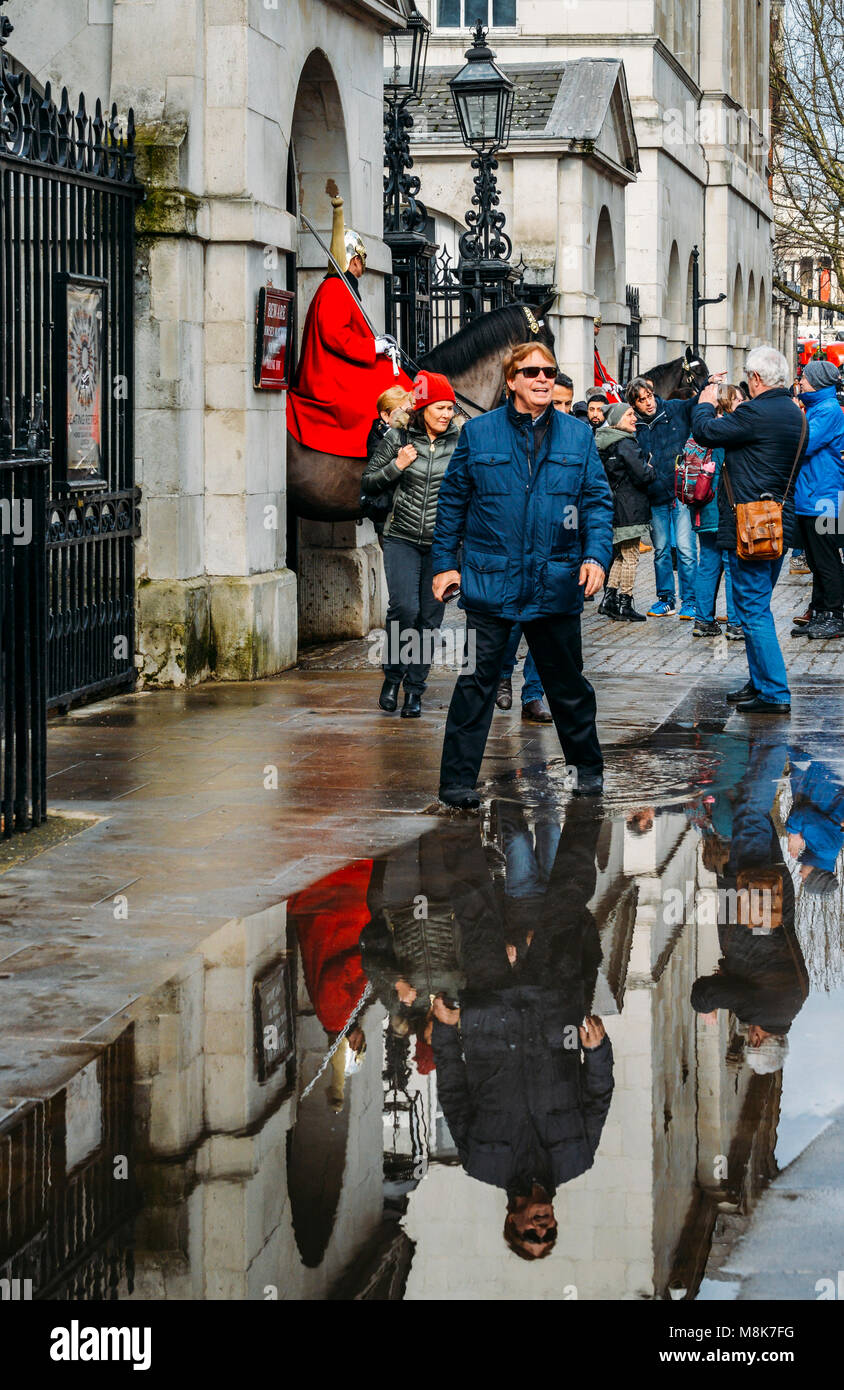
413	461
760	439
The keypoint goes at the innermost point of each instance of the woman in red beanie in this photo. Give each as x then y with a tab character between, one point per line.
413	461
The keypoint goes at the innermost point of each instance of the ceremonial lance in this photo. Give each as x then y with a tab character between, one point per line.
393	353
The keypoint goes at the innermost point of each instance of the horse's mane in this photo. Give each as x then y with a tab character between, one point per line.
482	337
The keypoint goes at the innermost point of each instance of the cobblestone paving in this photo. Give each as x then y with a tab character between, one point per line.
664	646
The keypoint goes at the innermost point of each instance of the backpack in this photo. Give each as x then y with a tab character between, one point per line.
694	471
376	506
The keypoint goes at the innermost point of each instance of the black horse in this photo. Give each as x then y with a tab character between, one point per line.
679	379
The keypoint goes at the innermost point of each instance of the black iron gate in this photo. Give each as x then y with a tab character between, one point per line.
66	302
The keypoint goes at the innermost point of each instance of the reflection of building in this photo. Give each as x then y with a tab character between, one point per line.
243	113
697	77
249	1193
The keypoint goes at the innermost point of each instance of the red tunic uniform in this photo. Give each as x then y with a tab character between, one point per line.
332	404
329	918
610	388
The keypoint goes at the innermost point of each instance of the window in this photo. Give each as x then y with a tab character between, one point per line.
464	14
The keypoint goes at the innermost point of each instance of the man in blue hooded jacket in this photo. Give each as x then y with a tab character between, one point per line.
818	494
527	498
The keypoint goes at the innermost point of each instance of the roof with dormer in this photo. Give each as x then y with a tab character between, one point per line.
580	100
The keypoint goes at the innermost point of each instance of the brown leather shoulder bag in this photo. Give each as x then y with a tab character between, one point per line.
759	534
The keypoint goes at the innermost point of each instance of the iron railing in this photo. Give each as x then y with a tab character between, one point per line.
23	602
67	214
66	1232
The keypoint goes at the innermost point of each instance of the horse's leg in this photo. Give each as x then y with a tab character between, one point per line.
322	487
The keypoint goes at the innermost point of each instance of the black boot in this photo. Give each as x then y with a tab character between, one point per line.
607	606
412	707
504	696
389	697
625	611
831	626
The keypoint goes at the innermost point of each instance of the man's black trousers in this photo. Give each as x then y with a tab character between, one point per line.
556	647
824	556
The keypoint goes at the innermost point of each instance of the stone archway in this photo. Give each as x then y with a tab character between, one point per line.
674	306
316	1151
605	288
319	150
338	566
738	306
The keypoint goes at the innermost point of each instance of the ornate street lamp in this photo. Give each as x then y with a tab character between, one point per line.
408	301
483	100
404	79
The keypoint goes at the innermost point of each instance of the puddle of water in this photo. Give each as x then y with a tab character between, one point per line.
558	1051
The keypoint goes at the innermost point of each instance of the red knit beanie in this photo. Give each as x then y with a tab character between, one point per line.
424	1057
429	387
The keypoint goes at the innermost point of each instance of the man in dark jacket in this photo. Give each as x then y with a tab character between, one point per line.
761	440
527	498
661	431
525	1083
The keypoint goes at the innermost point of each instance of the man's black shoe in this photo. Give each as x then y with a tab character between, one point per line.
460	800
831	625
759	706
588	783
534	712
747	692
412	707
504	698
389	697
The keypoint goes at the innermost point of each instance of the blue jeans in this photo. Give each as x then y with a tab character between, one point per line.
528	865
532	688
661	518
709	568
753	586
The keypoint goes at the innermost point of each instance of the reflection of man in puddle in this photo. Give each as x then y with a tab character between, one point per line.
761	976
524	1079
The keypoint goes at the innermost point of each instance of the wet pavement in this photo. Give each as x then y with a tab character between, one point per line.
261	878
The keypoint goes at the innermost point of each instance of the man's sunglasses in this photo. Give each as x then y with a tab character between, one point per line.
531	372
533	1237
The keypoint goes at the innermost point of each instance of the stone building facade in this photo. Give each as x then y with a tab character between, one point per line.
697	77
244	109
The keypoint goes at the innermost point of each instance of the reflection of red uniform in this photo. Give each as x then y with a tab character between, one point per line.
603	379
339	378
329	918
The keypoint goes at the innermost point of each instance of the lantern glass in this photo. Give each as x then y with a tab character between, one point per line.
483	99
405	56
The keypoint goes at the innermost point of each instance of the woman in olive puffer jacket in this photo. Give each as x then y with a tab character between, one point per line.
413	460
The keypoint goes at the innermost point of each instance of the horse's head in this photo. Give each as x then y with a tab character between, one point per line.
472	357
695	371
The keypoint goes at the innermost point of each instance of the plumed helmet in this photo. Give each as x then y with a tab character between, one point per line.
354	245
345	242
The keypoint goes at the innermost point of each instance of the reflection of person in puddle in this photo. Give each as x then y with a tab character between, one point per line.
410	946
524	1080
761	976
815	826
328	919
